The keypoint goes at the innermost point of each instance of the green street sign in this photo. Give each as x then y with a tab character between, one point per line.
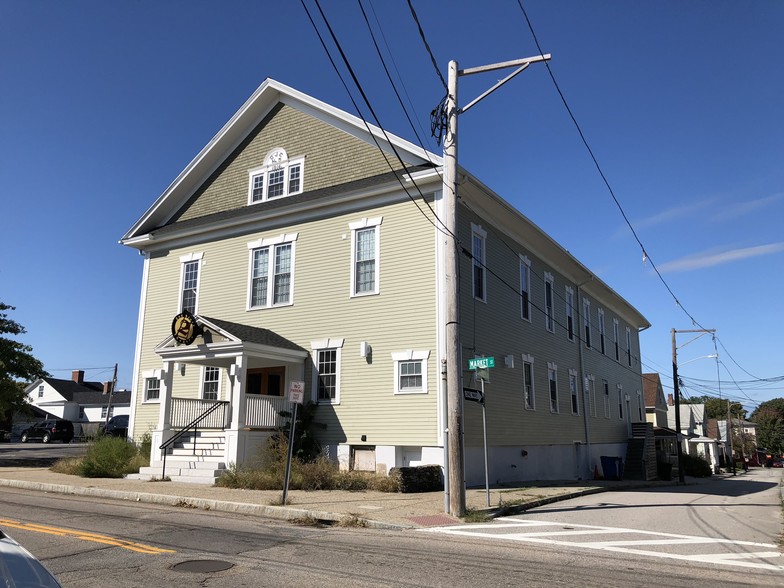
481	363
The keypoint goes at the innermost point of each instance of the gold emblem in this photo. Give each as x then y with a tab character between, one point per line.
184	328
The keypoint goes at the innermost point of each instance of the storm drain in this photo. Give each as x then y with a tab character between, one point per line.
202	566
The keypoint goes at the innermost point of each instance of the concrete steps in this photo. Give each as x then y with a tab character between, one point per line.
194	459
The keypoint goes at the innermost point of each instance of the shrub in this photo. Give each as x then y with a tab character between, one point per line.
107	457
695	467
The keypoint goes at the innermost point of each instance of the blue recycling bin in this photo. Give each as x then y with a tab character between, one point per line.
612	467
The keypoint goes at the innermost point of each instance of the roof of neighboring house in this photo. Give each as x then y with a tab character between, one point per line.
86	392
651	385
712	429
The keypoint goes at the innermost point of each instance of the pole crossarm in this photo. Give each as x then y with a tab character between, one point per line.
521	63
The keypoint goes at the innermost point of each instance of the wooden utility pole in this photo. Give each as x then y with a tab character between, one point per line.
455	455
111	394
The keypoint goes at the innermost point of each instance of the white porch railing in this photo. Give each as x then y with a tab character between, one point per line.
262	411
185	410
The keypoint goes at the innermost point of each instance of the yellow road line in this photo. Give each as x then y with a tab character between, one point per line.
85	536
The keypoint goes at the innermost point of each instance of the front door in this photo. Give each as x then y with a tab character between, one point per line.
266	381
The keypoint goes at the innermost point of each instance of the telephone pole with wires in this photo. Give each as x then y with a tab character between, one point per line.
447	114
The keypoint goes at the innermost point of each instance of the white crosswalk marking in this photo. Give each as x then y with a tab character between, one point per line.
765	556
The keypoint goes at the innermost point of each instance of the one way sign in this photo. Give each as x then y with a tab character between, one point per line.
474	395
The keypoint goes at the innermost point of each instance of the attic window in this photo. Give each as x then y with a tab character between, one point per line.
277	178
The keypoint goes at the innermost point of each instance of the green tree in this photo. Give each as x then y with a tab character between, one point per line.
716	408
17	364
775	404
769	417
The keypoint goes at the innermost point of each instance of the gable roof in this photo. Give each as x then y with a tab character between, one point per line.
269	94
86	392
652	389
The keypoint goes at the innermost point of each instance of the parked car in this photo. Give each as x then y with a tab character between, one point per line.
51	430
5	435
116	427
20	568
777	464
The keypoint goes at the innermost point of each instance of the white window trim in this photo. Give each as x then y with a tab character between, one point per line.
549	309
591	393
574	393
524	261
629	346
271	242
264	170
620	402
198	257
640	407
602	333
587	334
410	355
606	395
569	305
365	223
147	374
554	368
321	345
477	230
203	381
616	343
529	359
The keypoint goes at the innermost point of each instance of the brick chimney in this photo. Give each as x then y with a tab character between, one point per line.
670	400
78	376
107	387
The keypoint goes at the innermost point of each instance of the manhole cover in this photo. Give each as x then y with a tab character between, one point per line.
202	566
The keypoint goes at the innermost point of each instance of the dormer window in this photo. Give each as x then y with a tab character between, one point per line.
277	178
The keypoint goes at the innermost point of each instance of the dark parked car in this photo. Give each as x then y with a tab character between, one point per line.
51	430
116	427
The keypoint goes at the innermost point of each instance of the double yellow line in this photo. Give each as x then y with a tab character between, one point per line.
83	535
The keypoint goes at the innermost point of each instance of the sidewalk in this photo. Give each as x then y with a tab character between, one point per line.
372	509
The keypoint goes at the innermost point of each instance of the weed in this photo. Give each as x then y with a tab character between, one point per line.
306	521
352	520
106	457
476	516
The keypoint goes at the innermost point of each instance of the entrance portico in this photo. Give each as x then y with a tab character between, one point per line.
258	366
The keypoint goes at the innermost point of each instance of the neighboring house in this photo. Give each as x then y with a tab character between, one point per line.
656	411
85	403
743	430
695	433
301	253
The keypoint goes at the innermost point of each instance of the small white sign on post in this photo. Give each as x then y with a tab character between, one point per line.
297	392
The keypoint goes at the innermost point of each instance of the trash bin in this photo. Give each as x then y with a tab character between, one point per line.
612	467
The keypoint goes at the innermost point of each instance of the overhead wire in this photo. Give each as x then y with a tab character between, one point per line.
646	255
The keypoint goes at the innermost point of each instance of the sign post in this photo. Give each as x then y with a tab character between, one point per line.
482	366
296	397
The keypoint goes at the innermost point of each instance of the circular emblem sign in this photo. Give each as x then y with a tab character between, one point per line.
184	328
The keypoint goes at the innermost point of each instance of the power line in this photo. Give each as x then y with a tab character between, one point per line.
427	46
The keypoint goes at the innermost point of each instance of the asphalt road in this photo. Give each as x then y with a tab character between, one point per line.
91	543
37	455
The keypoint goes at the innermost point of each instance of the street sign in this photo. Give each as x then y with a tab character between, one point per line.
474	395
481	363
297	392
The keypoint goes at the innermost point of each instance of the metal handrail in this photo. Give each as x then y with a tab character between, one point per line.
192	425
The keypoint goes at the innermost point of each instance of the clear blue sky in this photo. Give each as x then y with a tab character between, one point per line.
102	104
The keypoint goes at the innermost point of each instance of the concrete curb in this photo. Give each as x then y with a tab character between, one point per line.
272	512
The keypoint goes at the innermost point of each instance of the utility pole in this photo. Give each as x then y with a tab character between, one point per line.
729	437
455	458
677	393
111	393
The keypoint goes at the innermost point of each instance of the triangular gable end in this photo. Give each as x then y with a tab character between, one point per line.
336	146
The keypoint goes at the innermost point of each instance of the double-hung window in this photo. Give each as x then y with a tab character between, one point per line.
211	383
410	371
620	402
587	322
41	391
573	392
570	313
106	409
591	393
478	251
365	239
189	290
640	409
278	177
629	346
606	388
529	393
552	378
601	332
615	340
525	288
272	271
326	375
152	389
549	318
